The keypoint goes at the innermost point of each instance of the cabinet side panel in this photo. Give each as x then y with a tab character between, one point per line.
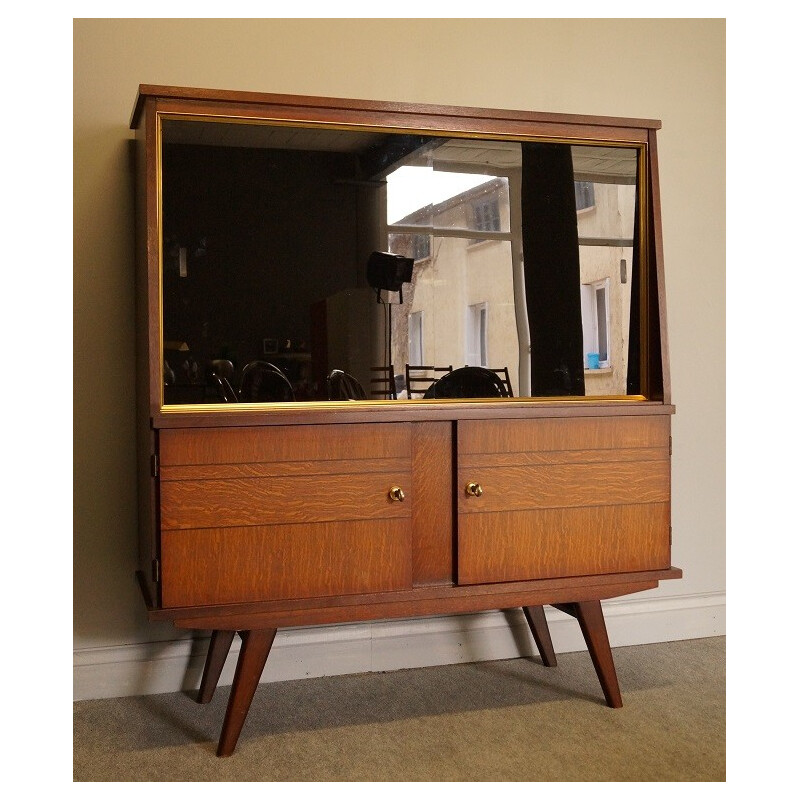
432	485
144	146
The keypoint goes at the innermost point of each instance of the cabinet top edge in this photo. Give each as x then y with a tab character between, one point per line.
359	105
286	416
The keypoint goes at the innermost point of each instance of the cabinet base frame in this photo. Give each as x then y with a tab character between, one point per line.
258	628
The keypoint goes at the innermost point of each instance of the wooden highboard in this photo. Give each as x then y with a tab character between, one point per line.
260	516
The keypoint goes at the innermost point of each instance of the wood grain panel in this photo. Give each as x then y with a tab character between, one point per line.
278	468
590	433
234	565
564	485
432	483
562	457
265	501
559	542
284	443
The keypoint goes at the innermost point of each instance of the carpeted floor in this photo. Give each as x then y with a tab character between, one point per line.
510	720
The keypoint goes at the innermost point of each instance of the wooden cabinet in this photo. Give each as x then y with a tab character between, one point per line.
278	513
563	497
256	217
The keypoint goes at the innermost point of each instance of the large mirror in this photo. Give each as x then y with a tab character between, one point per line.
313	264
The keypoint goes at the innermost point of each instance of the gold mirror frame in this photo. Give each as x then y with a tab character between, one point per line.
643	232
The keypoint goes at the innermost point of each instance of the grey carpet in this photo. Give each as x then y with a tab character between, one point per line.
513	720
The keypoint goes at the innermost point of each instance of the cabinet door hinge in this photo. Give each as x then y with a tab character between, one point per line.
670	535
154	465
156	570
670	445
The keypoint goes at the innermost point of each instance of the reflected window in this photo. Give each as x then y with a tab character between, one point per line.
594	311
415	340
421	247
487	214
477	340
584	195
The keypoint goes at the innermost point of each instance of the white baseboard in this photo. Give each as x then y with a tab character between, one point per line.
172	666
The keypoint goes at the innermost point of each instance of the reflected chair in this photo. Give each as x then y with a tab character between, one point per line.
504	376
222	367
384	385
420	377
343	386
222	389
468	382
218	377
263	382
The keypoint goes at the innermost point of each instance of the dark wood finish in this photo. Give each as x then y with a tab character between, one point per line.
256	645
394	606
537	622
593	627
218	649
432	520
422	596
147	342
222	96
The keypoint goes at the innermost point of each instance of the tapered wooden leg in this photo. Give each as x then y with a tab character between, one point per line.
218	651
541	633
252	658
593	626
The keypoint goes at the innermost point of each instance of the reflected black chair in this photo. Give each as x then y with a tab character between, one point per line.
343	386
218	377
419	377
468	382
222	389
504	376
384	385
222	367
263	382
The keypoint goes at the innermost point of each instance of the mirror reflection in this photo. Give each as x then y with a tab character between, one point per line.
304	263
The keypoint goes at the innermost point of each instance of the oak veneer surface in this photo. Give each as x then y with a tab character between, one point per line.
242	564
253	514
587	497
432	493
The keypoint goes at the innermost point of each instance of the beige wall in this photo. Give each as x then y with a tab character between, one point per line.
673	70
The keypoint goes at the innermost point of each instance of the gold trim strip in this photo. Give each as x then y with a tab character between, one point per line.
339	405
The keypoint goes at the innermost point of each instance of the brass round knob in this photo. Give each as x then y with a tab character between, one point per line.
396	493
474	489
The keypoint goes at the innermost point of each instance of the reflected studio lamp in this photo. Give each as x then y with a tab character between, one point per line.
389	271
